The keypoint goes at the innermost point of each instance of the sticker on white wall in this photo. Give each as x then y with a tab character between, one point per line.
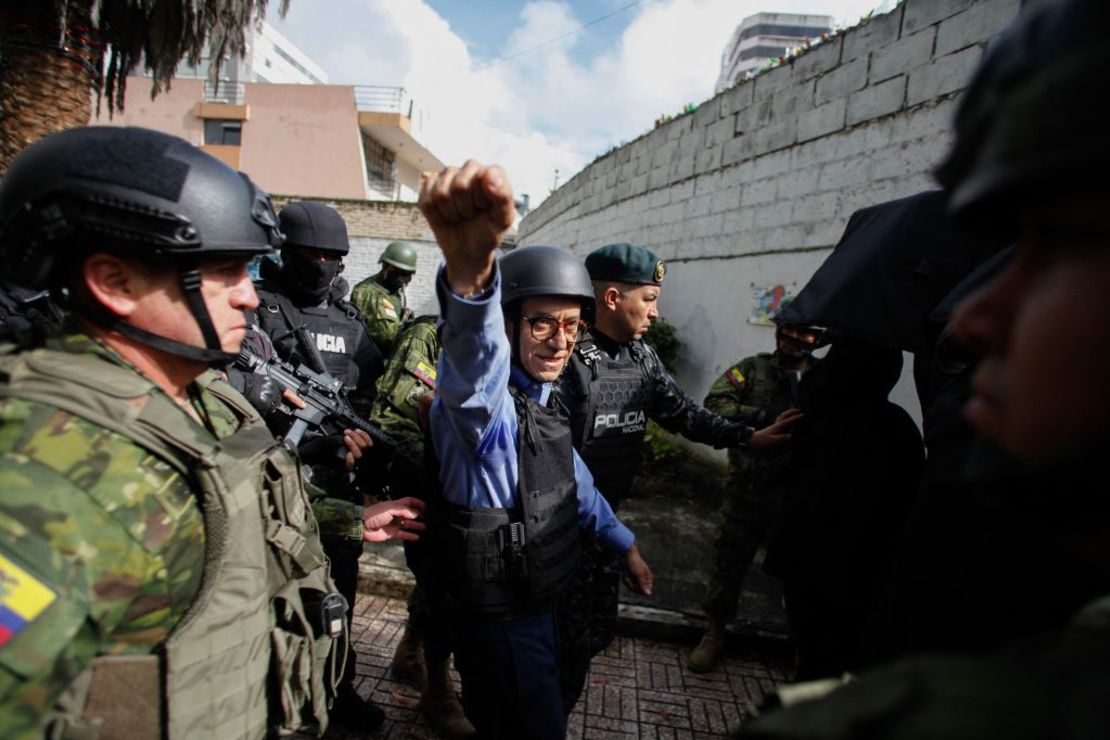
768	300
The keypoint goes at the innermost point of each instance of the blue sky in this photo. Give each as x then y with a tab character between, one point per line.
571	96
485	24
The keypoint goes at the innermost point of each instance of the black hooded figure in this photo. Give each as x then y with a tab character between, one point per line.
856	467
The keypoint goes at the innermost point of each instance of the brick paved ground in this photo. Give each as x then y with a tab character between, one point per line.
639	688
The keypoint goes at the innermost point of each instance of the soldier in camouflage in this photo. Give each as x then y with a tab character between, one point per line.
126	609
381	297
754	391
410	376
405	393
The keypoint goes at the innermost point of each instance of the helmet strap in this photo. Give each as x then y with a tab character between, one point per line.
190	285
212	353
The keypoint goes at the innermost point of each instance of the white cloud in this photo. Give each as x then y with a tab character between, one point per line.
546	108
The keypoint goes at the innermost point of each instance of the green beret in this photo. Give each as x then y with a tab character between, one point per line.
625	263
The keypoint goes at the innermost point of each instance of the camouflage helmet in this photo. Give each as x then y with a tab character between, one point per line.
314	226
401	255
1026	130
128	191
528	272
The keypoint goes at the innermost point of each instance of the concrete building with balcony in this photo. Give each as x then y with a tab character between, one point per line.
316	141
271	114
765	36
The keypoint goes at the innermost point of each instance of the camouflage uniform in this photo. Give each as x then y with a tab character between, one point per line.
382	310
409	374
755	391
92	517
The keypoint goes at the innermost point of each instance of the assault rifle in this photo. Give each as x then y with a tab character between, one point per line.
326	406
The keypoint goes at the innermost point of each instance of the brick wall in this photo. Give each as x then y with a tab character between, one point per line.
371	225
755	187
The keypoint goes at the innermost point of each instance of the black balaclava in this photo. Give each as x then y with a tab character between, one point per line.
395	279
308	279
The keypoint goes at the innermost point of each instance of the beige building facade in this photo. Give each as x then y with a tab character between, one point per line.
317	141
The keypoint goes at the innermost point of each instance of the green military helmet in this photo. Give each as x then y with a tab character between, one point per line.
401	255
1025	130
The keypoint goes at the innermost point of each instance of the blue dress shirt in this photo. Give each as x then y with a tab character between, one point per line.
474	425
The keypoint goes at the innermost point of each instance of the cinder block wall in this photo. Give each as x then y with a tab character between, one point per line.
754	188
371	225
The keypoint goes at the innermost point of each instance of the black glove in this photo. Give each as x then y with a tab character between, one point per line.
261	390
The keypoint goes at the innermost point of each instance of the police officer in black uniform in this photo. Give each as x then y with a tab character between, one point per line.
301	309
613	384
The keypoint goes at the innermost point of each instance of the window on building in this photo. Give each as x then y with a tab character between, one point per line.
223	132
380	165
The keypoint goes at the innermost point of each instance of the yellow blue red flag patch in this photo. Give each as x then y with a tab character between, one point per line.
22	598
426	373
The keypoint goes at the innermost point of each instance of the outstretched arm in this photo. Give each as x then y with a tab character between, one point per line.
390	520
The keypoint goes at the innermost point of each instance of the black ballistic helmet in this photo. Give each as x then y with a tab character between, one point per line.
135	193
1027	130
314	226
527	272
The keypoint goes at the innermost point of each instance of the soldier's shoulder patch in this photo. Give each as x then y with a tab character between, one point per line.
735	377
384	304
426	373
22	599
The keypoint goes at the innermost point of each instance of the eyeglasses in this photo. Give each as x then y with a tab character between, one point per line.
544	327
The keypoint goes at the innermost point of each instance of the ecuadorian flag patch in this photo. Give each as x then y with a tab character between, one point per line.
426	373
735	377
22	599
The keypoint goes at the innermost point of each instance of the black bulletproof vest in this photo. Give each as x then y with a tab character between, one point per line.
335	329
613	419
504	562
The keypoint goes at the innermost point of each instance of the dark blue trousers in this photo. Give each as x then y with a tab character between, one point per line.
510	688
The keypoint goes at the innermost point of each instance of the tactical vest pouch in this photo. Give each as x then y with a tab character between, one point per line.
126	697
119	697
306	667
307	663
484	576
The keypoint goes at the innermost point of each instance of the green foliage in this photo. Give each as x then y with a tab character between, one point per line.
662	338
672	471
661	447
116	35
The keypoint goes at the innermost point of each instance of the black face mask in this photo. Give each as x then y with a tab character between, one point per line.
396	280
310	278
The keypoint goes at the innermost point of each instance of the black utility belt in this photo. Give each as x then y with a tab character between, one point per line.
500	531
